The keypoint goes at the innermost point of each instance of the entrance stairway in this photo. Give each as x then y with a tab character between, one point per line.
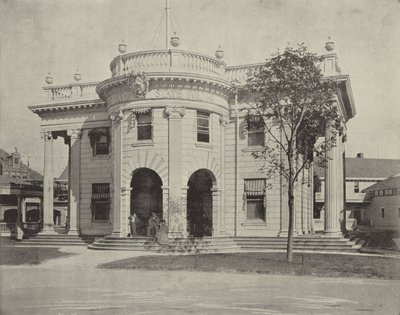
300	243
56	240
188	245
228	244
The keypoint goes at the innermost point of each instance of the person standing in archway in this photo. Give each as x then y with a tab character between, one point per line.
132	224
153	224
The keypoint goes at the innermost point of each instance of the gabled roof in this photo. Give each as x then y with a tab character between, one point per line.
33	175
367	168
8	181
64	175
388	183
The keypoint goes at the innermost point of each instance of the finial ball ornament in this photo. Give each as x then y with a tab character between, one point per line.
175	40
219	53
329	45
122	47
77	76
49	78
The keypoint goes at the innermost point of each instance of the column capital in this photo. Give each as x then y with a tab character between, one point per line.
46	135
117	117
223	120
74	133
175	112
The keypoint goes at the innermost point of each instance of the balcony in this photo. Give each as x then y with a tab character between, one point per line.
172	61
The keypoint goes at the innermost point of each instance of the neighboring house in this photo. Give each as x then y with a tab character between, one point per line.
383	209
20	201
21	191
60	200
360	174
12	166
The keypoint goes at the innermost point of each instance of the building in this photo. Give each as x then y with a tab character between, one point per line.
163	135
12	166
360	173
21	194
383	209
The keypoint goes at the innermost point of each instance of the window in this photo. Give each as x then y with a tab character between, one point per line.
255	132
144	126
203	127
254	190
382	212
100	141
16	160
101	147
356	186
398	212
100	202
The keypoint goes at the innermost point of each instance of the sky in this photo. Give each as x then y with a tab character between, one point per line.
56	36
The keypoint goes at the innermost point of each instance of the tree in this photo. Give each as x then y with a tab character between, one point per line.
297	105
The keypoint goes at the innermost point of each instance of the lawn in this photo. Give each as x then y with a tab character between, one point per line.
327	265
11	255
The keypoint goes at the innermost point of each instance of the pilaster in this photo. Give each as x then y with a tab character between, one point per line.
125	209
224	121
216	201
176	211
117	121
165	197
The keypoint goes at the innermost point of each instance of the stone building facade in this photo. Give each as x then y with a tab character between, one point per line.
164	135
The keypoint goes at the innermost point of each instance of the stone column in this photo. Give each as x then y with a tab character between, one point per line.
216	199
311	199
23	209
284	203
333	188
48	182
176	213
223	122
165	196
74	180
117	121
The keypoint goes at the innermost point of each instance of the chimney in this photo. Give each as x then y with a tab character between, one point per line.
360	155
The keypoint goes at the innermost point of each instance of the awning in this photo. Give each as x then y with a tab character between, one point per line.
254	187
100	196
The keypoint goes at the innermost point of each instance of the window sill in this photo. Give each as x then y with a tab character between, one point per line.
204	145
254	223
101	157
143	143
253	149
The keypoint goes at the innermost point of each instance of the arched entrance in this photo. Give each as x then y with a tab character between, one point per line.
146	197
200	203
11	215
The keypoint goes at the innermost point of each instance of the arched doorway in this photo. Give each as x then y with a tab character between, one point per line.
32	215
200	203
11	215
146	197
57	217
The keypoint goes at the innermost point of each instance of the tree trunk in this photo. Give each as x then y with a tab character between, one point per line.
289	252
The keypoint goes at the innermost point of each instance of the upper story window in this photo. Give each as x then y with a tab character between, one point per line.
203	127
100	141
144	126
382	212
255	131
356	186
254	190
